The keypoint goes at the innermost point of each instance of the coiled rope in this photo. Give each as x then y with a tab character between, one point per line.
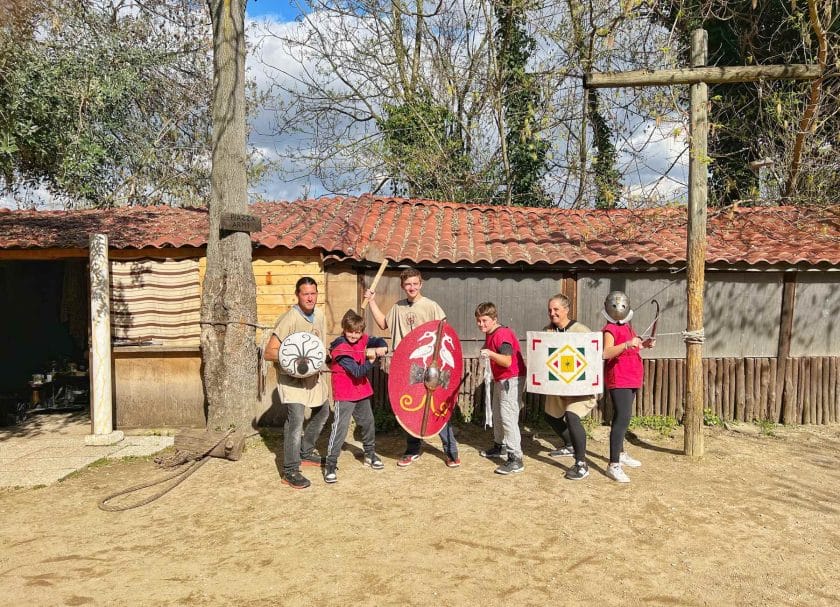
177	478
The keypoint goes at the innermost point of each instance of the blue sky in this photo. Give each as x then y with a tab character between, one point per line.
284	10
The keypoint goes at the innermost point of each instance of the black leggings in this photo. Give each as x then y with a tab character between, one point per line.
559	425
578	435
622	399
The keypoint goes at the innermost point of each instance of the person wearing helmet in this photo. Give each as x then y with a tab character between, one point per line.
624	373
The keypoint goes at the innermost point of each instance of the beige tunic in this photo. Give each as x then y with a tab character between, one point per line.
556	406
404	317
310	391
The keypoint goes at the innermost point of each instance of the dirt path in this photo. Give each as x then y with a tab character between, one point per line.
757	522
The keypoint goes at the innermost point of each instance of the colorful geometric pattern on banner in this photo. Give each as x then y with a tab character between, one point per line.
565	364
424	377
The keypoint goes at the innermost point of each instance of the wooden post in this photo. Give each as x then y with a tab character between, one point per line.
785	332
696	249
101	398
698	75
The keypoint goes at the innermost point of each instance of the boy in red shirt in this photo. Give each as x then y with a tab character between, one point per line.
353	355
502	351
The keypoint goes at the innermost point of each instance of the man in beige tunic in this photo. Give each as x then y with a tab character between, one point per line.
301	394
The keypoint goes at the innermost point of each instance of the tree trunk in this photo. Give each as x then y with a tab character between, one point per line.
228	303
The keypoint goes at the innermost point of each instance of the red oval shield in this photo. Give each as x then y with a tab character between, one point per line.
424	376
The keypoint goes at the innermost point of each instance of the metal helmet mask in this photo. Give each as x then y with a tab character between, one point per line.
617	307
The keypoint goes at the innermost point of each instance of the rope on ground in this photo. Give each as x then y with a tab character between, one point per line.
178	477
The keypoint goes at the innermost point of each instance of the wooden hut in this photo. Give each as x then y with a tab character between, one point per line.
771	301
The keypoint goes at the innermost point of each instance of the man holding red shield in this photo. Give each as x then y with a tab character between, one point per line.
406	315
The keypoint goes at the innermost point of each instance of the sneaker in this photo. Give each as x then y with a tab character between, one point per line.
615	472
625	460
408	459
313	459
566	451
514	465
577	472
329	474
453	462
295	480
374	462
496	450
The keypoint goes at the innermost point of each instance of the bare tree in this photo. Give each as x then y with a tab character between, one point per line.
391	94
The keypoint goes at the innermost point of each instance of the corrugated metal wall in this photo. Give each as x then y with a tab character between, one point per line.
741	309
520	299
816	318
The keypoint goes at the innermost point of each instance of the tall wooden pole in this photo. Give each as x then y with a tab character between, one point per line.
697	76
696	250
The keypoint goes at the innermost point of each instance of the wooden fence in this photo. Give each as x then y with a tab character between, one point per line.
736	389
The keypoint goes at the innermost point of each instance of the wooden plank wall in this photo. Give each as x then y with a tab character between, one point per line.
736	389
276	275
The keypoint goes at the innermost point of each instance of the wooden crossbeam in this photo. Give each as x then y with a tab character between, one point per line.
709	75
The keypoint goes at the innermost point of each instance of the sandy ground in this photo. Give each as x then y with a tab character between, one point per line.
755	522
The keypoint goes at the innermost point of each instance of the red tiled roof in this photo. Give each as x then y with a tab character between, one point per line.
434	232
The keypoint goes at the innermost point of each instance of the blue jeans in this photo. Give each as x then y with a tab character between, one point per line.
296	441
447	437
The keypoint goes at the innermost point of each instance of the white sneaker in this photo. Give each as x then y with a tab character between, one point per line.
625	460
615	472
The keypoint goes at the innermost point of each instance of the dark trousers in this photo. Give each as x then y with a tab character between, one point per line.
622	399
447	437
361	411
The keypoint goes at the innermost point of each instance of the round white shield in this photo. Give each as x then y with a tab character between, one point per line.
301	354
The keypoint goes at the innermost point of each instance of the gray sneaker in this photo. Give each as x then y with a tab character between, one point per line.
578	472
374	462
565	451
330	475
496	450
514	465
311	459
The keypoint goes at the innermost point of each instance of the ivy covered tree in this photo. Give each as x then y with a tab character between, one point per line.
423	151
525	151
761	135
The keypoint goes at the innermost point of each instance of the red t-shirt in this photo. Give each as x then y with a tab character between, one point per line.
626	369
493	341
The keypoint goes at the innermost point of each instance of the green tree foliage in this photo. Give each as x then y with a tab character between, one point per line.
607	177
107	104
753	123
522	99
423	151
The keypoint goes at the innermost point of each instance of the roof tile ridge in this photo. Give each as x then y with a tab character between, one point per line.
362	209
